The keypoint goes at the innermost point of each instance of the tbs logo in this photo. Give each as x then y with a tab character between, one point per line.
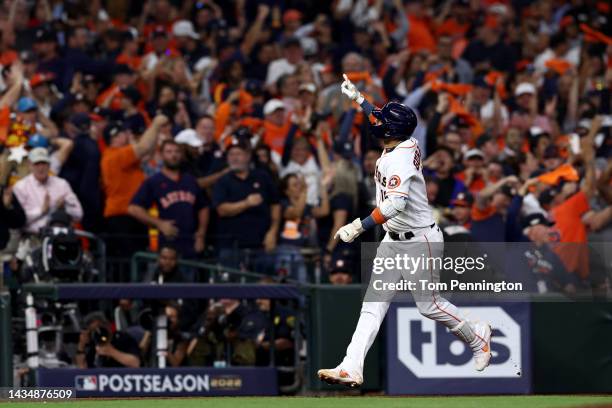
86	382
430	350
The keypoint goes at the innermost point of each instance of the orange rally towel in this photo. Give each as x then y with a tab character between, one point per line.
594	35
359	76
458	109
453	89
491	78
563	172
558	65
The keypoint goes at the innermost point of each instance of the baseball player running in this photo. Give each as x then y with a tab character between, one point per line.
403	210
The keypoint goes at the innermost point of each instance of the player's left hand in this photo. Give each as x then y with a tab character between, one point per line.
349	232
350	90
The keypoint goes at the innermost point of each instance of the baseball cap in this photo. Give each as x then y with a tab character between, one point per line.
463	199
273	105
26	104
341	265
159	31
291	15
238	142
474	153
525	88
309	87
44	35
480	82
131	93
188	137
343	148
292	42
81	120
122	69
89	79
458	122
584	124
78	98
38	140
508	190
536	218
135	123
535	131
39	155
184	28
310	46
27	56
547	196
96	316
243	133
104	113
95	117
254	87
342	262
111	130
41	78
482	140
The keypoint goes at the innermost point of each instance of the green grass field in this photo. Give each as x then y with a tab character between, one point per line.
538	401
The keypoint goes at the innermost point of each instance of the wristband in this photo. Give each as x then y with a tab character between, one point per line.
368	222
371	220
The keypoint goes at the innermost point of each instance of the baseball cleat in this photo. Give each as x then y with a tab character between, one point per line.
339	376
482	356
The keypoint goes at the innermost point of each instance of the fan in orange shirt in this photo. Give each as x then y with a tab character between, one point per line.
276	125
472	176
129	52
420	33
121	177
456	23
570	205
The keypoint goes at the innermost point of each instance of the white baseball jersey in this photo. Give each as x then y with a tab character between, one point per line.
399	172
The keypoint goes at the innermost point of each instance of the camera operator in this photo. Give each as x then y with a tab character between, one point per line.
99	347
207	347
228	330
284	322
240	332
177	342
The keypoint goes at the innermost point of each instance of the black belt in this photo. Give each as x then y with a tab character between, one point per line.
404	236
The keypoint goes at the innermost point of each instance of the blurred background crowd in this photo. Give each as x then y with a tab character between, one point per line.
217	131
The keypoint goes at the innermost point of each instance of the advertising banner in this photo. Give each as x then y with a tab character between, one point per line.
167	382
424	357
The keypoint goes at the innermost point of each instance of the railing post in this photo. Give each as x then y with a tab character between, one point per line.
31	332
161	339
6	340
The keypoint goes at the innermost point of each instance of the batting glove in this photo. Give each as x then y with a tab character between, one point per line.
350	90
349	232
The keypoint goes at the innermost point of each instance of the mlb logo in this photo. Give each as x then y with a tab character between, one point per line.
86	382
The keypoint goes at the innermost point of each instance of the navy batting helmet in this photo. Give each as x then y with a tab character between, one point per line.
397	121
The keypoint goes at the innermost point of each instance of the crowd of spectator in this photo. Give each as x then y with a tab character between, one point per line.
219	128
